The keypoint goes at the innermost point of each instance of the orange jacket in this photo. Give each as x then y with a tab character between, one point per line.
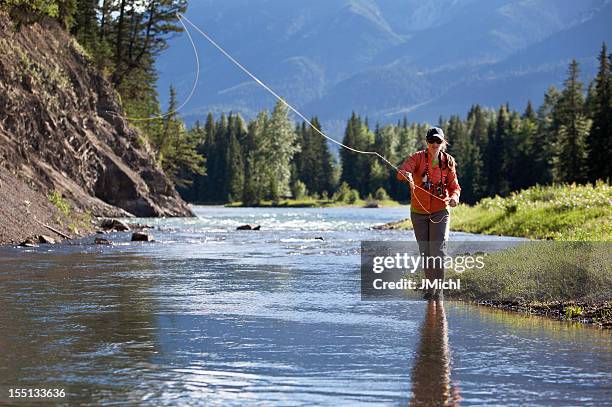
420	200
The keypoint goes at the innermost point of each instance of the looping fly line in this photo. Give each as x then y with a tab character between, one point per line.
297	112
182	17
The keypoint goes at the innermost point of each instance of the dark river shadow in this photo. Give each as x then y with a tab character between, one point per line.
431	381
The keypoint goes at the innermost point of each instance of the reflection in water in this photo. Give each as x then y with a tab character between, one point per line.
82	323
431	383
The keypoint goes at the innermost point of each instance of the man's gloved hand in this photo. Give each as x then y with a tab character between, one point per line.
452	201
408	176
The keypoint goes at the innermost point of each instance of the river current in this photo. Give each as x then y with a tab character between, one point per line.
208	315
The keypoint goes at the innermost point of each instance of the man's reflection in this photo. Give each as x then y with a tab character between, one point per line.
431	384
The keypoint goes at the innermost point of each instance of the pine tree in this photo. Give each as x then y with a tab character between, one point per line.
196	191
255	174
599	145
378	179
184	162
545	137
407	140
467	157
529	113
218	176
349	158
327	169
386	143
514	147
297	163
308	156
235	169
530	150
314	162
494	159
356	167
170	126
139	33
570	150
477	124
87	31
281	139
176	148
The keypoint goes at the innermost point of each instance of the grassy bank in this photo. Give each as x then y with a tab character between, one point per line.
558	212
321	203
565	280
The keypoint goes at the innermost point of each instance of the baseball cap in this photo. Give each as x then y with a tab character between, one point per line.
435	132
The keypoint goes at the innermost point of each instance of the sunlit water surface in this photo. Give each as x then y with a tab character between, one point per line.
208	315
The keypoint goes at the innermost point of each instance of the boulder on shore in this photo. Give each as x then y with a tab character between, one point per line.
114	224
45	239
29	242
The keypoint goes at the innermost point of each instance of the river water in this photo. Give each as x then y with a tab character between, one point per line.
208	315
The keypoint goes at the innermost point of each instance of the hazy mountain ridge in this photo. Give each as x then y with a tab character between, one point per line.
330	58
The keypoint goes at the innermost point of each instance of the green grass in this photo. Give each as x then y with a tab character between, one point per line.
77	221
542	271
317	203
558	212
59	202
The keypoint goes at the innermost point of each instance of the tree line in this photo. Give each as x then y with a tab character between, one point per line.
566	139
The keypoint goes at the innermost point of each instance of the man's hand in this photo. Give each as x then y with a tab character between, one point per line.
451	201
408	176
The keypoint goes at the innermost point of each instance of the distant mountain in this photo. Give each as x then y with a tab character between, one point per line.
383	58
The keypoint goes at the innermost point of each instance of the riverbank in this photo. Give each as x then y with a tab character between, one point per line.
27	213
29	216
560	280
320	203
558	212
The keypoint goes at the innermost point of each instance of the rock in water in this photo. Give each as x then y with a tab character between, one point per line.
142	237
28	243
99	240
248	227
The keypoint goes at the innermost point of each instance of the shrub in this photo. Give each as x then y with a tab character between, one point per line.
59	202
30	11
341	195
353	196
381	194
299	190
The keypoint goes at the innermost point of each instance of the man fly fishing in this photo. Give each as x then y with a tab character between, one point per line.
434	191
432	176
